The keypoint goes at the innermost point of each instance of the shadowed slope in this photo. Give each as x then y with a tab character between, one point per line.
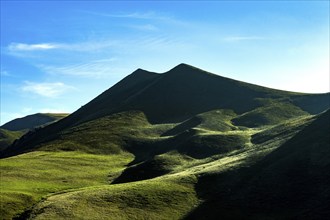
290	183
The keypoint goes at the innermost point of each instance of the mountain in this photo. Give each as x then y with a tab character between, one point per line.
184	144
182	93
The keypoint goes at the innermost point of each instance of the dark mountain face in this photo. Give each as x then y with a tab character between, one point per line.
182	93
185	91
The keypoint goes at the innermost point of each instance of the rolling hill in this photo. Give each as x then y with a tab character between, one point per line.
292	182
182	144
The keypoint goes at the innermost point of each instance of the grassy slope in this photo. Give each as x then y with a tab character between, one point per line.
8	137
149	199
290	182
86	145
270	114
171	196
27	178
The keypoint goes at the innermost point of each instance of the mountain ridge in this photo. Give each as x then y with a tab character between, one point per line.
173	97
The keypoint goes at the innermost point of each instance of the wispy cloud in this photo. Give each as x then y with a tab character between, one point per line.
146	27
141	15
134	15
49	90
32	47
242	38
95	69
5	73
81	46
147	15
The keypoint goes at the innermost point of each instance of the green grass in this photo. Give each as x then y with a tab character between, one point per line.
27	178
270	114
75	184
156	166
8	137
286	128
152	199
288	182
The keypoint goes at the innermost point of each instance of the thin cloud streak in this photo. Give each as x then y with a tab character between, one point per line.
242	38
32	47
134	15
49	90
146	27
5	73
96	69
83	46
150	15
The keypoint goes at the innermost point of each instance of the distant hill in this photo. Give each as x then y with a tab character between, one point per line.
14	129
33	121
184	144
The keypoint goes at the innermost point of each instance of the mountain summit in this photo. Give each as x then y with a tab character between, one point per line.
185	91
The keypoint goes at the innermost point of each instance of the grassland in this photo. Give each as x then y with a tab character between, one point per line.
150	199
159	146
27	178
70	176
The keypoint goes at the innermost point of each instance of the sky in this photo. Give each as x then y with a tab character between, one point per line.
58	55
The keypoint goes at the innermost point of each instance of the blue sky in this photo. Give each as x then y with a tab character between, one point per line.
57	56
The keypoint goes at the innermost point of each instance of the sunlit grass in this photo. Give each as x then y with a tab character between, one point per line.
95	153
151	199
26	178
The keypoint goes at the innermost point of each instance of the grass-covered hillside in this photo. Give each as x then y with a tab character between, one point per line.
8	137
185	144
